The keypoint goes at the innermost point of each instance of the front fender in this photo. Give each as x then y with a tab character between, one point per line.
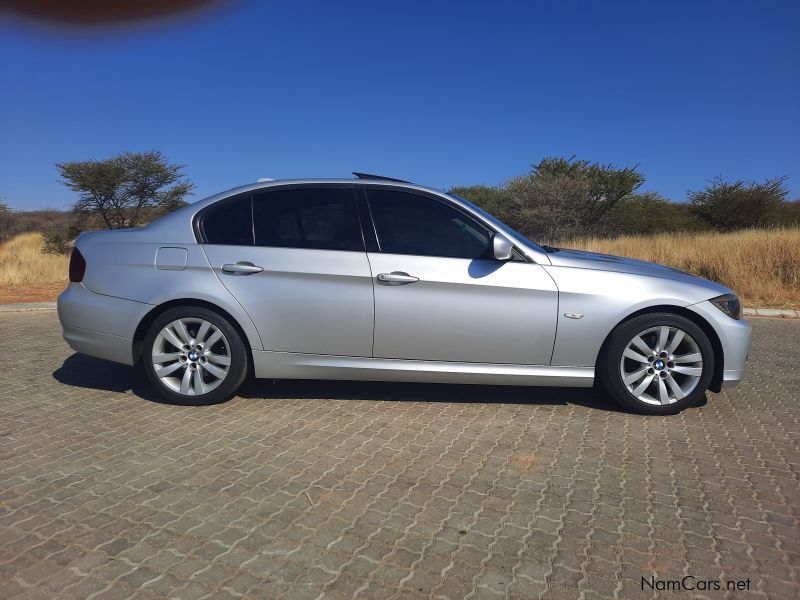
604	299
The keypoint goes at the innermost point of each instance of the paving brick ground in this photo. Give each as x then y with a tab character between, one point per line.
341	490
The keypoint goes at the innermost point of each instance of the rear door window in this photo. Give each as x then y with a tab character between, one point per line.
318	218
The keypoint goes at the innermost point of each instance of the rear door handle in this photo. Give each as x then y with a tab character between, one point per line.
242	268
397	278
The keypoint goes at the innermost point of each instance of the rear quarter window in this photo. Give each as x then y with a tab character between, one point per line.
228	222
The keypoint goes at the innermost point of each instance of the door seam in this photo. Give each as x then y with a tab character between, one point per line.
232	295
374	307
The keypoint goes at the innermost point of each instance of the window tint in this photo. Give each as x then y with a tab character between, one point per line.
323	218
229	222
408	223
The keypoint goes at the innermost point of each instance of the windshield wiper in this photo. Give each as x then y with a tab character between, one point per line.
550	249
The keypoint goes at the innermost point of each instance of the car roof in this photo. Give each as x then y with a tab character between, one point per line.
259	185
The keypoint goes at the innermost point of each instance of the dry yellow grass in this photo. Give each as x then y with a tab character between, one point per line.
23	262
762	266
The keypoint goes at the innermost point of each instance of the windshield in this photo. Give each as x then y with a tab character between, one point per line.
518	237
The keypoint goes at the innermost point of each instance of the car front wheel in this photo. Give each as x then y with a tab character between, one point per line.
657	364
194	356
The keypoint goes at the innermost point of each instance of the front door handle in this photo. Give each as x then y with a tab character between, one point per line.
396	278
242	268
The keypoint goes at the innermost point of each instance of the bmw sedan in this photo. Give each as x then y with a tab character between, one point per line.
378	279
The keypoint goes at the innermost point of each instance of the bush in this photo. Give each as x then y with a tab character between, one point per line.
651	213
738	205
789	214
6	221
59	243
545	209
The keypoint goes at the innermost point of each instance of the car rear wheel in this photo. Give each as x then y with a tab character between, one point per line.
657	364
194	356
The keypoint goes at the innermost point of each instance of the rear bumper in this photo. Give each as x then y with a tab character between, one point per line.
102	345
98	325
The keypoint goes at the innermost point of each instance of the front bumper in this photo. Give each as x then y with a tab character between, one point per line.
732	377
99	325
735	337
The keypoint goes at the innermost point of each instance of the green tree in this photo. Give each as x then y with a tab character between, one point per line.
605	186
491	199
728	206
125	189
544	207
563	197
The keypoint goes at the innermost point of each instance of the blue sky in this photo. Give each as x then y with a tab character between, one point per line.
441	93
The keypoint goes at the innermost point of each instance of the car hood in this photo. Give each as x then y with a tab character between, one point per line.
579	259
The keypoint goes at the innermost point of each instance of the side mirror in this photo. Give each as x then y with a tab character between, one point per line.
502	248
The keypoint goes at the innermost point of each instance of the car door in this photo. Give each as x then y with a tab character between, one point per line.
439	293
294	258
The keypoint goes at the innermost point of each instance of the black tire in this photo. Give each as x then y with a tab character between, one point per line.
609	363
239	357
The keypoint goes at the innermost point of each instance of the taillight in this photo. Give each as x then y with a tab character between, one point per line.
77	266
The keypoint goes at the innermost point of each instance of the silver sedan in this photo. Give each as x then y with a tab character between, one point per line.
377	279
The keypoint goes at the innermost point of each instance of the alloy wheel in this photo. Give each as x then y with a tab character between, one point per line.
191	356
661	365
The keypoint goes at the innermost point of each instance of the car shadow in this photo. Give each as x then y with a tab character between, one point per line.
425	392
92	373
87	372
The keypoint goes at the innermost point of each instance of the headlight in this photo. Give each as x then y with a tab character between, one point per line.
729	304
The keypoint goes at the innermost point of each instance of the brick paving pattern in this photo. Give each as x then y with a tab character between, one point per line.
347	490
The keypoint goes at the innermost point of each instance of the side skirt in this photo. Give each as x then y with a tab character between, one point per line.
290	365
